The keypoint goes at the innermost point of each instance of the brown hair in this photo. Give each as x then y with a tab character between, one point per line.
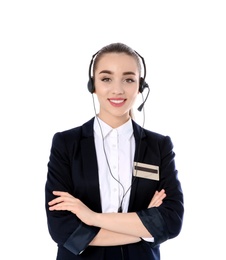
116	48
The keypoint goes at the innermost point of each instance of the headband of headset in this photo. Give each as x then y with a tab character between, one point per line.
142	85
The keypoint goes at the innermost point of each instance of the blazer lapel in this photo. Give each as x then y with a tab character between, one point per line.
138	157
90	168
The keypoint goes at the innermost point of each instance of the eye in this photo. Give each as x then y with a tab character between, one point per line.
130	80
106	79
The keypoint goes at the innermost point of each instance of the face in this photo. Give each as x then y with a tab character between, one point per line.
116	86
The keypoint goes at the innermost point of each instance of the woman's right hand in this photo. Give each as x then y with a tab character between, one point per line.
157	199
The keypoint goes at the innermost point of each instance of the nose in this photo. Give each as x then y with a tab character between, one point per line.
117	87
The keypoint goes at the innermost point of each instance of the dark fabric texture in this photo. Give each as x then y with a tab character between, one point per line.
72	167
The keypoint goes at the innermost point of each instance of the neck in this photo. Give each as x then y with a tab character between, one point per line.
114	121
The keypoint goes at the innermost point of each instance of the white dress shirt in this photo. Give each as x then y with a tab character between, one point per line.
115	154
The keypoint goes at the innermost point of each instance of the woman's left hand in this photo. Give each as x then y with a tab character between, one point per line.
65	201
157	199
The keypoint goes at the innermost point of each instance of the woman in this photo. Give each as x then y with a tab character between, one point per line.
112	190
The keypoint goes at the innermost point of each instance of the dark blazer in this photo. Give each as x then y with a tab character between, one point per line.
73	168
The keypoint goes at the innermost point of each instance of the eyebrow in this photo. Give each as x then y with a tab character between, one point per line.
110	72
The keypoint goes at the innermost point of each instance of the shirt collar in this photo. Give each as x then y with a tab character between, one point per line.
102	129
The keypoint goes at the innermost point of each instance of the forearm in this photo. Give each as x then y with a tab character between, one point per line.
123	223
109	238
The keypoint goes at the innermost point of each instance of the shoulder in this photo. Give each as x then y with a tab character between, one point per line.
76	133
156	136
151	138
141	132
160	140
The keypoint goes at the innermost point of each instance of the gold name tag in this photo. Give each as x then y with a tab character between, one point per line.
146	171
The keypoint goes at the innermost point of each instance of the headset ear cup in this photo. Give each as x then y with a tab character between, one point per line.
90	86
141	86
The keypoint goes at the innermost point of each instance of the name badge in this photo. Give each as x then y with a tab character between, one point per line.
146	171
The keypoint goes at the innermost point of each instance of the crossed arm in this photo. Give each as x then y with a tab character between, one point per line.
115	228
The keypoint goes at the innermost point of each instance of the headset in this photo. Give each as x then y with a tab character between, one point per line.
142	85
91	88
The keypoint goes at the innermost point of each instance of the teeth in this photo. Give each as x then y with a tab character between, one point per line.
117	101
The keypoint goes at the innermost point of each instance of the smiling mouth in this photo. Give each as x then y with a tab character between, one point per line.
117	102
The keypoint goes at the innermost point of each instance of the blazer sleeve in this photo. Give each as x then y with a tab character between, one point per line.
165	222
64	227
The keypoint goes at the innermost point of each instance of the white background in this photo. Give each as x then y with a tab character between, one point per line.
45	50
